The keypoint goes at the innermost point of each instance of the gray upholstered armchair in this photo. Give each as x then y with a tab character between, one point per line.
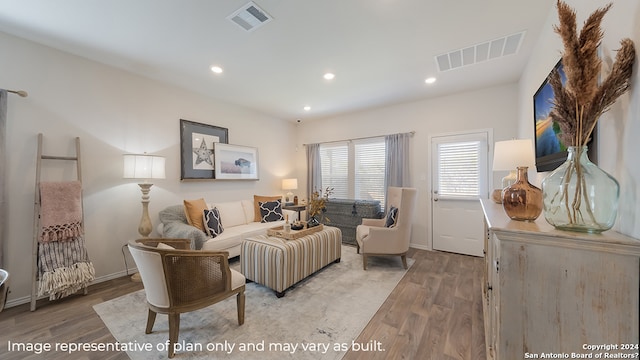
392	234
177	279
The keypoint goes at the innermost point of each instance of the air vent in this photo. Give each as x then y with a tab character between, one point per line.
250	17
489	50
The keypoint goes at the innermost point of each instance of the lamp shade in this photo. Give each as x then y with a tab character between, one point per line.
289	184
143	167
509	154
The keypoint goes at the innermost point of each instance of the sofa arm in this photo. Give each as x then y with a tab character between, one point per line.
179	230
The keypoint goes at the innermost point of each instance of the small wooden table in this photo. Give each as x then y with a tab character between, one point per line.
298	208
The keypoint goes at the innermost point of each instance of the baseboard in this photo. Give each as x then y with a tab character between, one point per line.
420	247
27	299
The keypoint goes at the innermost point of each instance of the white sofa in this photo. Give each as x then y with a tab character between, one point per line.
237	219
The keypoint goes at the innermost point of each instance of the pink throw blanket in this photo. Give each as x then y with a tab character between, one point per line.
60	211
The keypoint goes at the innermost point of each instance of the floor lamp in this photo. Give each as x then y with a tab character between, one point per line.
144	167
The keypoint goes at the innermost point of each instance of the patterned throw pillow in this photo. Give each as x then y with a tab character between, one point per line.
213	222
271	211
256	204
392	217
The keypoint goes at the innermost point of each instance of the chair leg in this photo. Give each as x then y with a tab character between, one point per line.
357	248
174	329
240	305
151	319
364	261
404	261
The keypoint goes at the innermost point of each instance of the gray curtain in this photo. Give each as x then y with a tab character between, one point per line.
398	161
314	169
3	131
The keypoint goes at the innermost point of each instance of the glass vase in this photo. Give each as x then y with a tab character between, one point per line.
579	196
522	201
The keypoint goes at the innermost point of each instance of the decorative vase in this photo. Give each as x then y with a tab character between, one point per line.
579	196
312	222
522	201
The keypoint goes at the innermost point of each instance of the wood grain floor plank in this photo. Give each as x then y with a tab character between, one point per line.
419	320
458	331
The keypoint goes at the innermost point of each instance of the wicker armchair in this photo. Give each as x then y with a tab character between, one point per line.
177	279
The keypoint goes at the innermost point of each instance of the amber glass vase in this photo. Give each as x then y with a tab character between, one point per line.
522	201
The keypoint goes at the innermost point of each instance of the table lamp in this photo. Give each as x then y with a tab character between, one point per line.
289	184
144	167
507	156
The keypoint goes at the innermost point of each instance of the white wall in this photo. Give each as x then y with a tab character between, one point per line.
487	108
619	129
113	112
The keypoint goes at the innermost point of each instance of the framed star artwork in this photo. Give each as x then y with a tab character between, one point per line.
197	149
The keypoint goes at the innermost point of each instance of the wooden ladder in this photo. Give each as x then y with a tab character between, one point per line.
36	212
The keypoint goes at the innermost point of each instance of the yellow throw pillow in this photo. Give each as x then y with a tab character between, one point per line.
256	207
194	210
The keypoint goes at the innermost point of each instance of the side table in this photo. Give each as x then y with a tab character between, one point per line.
298	208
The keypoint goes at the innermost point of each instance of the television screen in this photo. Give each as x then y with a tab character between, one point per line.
550	151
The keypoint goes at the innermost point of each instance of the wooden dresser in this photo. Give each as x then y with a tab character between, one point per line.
554	292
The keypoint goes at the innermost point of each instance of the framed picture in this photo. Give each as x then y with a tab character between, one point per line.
196	149
235	162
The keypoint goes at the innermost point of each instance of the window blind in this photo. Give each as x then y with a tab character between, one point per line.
334	159
459	167
369	170
354	169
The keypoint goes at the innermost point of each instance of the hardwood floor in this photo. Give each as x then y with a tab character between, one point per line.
70	320
435	312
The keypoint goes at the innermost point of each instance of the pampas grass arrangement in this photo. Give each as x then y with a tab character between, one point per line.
581	101
579	196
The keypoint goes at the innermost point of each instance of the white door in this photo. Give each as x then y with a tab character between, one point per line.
460	174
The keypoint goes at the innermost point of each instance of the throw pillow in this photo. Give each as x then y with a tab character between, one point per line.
164	246
213	222
271	211
392	217
193	209
256	206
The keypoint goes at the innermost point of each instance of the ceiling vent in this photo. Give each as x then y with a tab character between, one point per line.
489	50
250	17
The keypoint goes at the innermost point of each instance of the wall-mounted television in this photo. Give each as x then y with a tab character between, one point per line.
550	151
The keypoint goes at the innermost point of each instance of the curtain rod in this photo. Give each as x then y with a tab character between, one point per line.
21	93
361	138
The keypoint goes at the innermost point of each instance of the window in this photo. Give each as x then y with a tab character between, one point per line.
335	169
369	171
459	168
355	169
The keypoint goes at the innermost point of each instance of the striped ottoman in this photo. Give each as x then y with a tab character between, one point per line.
279	263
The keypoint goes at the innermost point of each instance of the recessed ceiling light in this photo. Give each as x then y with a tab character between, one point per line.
430	80
216	69
329	76
307	108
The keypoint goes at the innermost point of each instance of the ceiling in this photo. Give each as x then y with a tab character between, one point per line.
380	51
